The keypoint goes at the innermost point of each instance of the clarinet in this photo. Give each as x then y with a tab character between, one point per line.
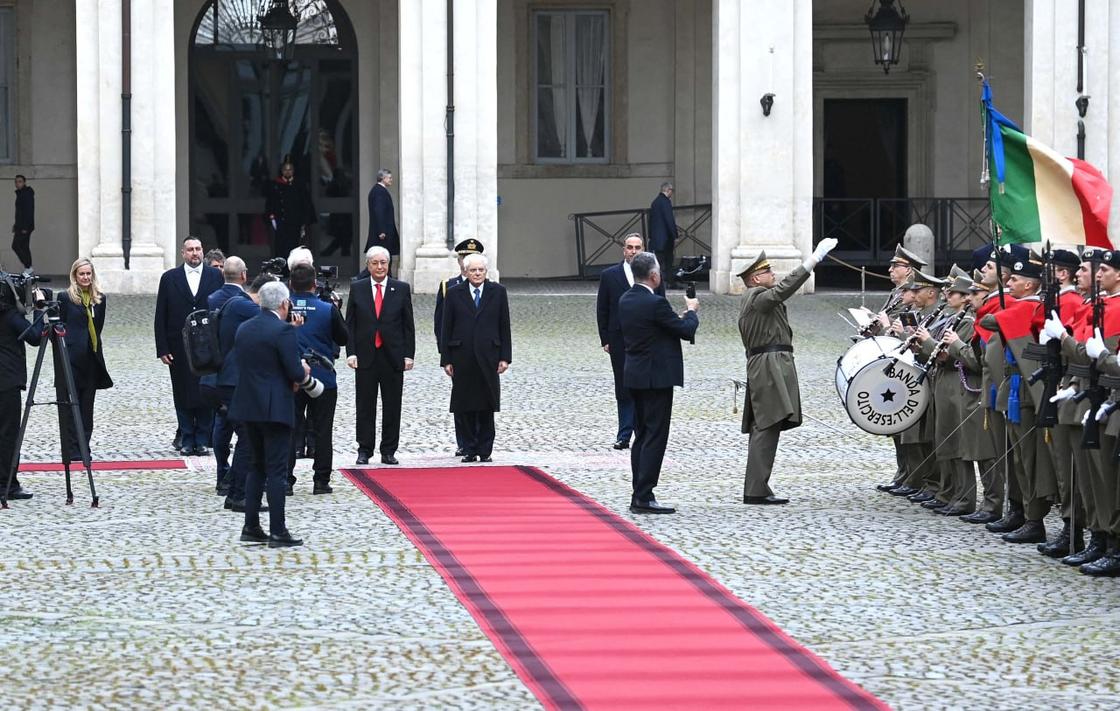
913	338
872	328
942	346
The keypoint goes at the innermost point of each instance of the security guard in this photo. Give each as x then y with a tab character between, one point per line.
467	246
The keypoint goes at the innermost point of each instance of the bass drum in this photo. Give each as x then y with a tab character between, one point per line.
881	395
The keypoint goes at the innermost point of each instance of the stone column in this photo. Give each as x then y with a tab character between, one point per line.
100	215
425	258
762	166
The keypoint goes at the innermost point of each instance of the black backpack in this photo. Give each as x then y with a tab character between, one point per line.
200	341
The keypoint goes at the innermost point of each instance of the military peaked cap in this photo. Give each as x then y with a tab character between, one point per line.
469	246
908	258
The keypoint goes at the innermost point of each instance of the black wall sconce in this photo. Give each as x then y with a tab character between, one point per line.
767	102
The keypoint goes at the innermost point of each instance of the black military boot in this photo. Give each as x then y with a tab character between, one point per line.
1058	547
1012	520
1029	532
1107	566
1098	543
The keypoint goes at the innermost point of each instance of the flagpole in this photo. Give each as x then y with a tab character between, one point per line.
985	181
1082	101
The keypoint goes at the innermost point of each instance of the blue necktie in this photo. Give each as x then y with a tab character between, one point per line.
477	297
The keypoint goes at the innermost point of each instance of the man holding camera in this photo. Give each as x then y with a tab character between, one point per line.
654	366
15	331
322	334
380	346
270	371
773	402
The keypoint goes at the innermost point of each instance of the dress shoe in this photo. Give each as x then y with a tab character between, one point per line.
363	458
322	489
621	444
253	534
238	506
289	489
954	511
221	490
200	452
283	539
1104	567
1029	532
980	517
389	459
18	494
184	452
232	504
469	458
1058	547
301	453
486	459
1098	546
903	491
459	452
650	507
932	503
310	453
765	500
888	487
177	443
1013	520
921	497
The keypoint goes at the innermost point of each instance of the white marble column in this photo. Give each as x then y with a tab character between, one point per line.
100	204
762	165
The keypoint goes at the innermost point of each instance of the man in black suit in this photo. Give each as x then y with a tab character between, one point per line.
183	290
381	345
615	281
663	229
270	370
382	220
653	334
476	350
467	246
289	210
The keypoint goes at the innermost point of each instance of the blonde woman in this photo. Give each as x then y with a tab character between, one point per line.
83	312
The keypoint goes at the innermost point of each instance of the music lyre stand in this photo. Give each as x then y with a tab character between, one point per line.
53	332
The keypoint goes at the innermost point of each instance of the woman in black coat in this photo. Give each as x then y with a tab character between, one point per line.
83	312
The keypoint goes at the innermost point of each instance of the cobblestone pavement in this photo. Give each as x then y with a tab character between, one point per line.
151	602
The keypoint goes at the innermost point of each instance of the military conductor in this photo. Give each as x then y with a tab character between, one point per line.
773	401
476	350
652	333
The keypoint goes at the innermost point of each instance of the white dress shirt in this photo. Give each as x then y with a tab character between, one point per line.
194	276
628	272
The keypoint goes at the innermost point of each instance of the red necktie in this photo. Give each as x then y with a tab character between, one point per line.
377	298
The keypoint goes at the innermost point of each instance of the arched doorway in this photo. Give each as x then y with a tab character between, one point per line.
249	111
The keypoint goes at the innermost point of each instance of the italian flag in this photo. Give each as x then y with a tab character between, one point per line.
1040	195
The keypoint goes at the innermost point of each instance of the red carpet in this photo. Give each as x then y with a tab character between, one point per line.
589	610
105	466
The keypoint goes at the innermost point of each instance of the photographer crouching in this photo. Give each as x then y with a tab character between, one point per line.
323	333
271	371
15	331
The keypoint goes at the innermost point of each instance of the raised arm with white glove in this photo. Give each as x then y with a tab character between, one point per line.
825	246
1094	347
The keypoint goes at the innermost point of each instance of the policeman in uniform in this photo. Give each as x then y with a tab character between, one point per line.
467	246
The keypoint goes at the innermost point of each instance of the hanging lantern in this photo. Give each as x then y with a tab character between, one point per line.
278	29
886	26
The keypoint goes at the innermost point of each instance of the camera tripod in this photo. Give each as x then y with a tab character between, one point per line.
54	332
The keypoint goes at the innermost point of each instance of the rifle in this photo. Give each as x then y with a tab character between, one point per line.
1049	356
1091	433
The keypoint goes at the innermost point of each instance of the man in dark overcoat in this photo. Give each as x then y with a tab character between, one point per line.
615	281
663	230
773	402
182	290
467	246
477	349
289	210
381	346
382	217
654	366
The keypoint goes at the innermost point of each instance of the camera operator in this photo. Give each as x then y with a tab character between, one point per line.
269	372
15	331
82	308
323	332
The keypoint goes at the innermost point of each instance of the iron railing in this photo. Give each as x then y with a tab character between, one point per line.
869	228
599	235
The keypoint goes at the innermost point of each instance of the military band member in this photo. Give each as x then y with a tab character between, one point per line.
773	402
467	246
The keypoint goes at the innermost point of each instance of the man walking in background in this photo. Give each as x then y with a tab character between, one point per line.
663	231
25	221
382	218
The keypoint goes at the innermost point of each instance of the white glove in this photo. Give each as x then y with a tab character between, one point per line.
1054	328
1043	338
1094	347
1085	417
1104	411
1064	394
825	246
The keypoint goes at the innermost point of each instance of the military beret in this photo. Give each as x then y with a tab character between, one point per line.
1111	257
1064	258
1031	267
1092	254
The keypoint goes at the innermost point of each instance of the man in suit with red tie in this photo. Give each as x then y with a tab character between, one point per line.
476	350
381	347
615	281
182	290
654	365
